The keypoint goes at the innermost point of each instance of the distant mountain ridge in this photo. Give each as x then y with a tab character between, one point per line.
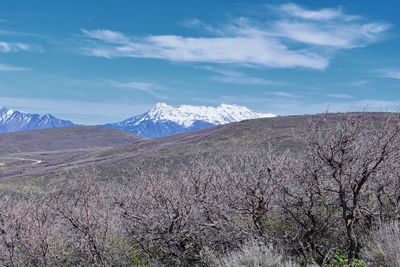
164	120
161	120
16	121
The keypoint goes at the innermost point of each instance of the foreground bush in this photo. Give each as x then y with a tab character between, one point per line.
253	255
318	206
383	247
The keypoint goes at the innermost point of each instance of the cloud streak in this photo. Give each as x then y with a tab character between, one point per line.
146	87
392	74
257	51
340	96
294	10
11	68
337	35
236	77
301	38
303	105
7	47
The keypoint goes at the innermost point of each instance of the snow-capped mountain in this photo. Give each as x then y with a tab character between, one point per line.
164	120
15	121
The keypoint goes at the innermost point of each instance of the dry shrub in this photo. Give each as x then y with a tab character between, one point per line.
307	205
253	254
383	246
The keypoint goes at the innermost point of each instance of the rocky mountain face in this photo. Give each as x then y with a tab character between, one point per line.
15	121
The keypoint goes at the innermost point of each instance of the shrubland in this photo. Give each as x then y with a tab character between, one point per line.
333	203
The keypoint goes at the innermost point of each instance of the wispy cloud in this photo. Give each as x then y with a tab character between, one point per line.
357	83
146	87
283	94
6	67
195	23
322	14
7	47
107	36
258	51
236	77
338	35
390	73
341	96
304	105
15	41
313	34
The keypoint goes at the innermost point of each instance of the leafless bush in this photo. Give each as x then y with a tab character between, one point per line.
166	220
88	223
248	186
28	232
72	226
383	246
12	214
337	178
214	203
310	204
308	219
253	255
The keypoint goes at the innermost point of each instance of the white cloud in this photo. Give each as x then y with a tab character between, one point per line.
302	38
256	51
342	96
356	83
284	94
17	46
327	27
107	36
146	87
6	67
322	14
6	47
304	105
137	85
393	74
333	34
235	77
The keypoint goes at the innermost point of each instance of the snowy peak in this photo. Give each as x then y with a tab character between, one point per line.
14	121
5	114
163	119
186	115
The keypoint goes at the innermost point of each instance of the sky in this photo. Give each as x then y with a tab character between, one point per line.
98	61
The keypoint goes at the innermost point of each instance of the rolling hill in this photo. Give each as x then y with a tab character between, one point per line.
66	138
116	154
113	152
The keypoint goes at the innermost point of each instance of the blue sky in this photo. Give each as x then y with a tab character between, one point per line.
98	61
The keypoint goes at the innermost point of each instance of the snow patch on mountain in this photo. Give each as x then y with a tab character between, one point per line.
186	115
5	114
163	119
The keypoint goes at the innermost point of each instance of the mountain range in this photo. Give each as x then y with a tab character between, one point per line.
16	121
161	120
164	120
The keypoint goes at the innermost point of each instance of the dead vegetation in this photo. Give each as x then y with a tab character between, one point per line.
327	205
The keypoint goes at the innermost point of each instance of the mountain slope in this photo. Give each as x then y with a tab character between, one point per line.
15	121
126	156
38	152
164	120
